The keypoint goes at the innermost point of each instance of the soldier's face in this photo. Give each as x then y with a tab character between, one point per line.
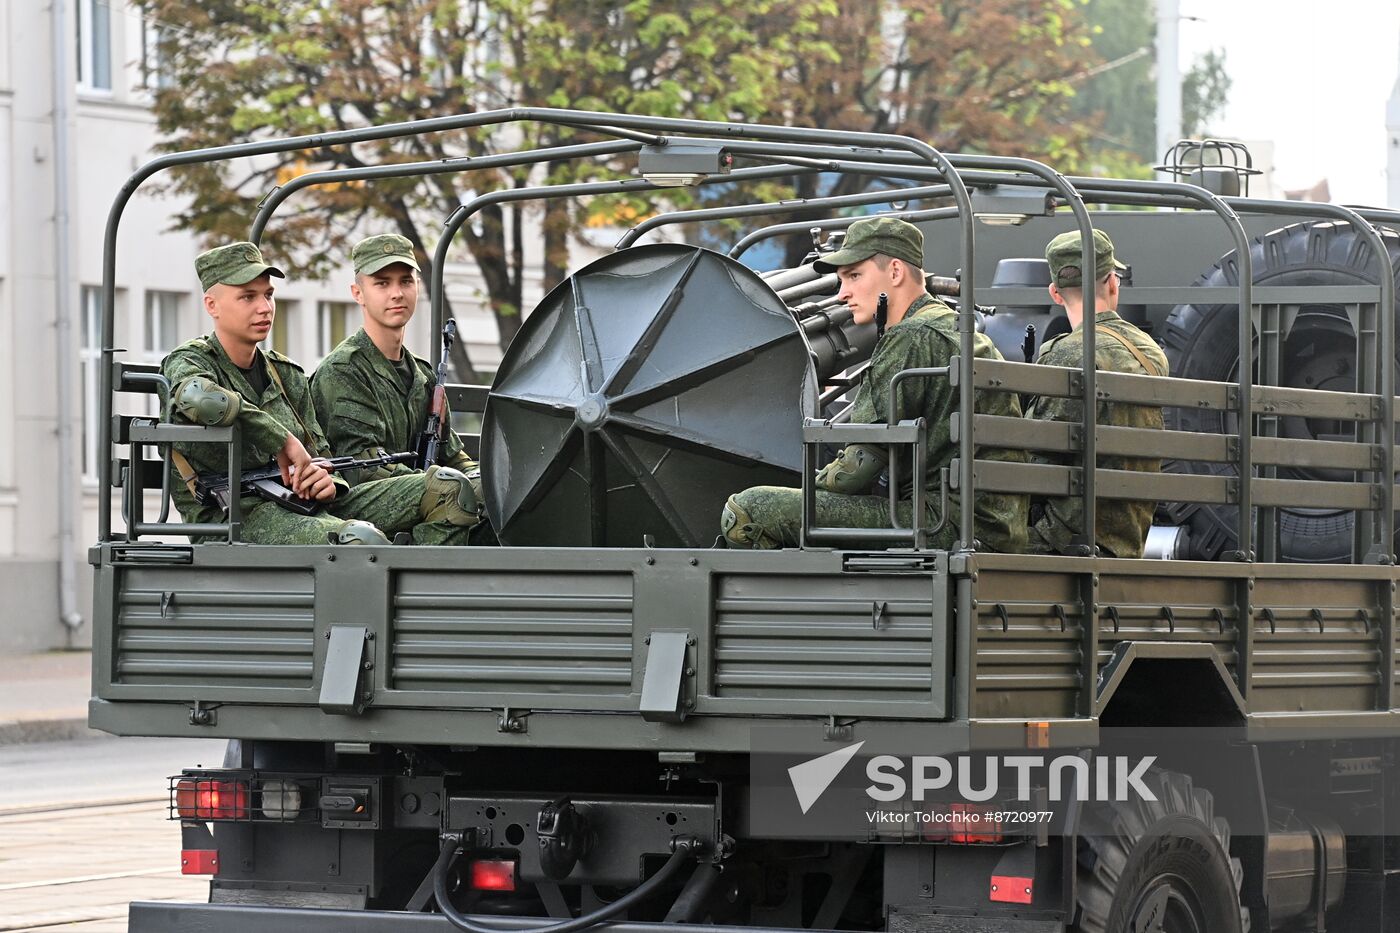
389	296
861	285
242	313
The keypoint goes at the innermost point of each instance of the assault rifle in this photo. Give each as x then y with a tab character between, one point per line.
266	481
435	430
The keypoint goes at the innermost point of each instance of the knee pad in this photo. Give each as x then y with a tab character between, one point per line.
204	402
740	530
357	532
854	471
448	496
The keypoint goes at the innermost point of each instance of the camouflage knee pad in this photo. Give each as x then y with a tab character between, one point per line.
448	497
740	530
357	532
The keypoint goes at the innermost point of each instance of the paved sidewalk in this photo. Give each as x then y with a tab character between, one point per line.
43	697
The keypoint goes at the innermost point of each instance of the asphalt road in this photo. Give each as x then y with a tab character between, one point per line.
83	830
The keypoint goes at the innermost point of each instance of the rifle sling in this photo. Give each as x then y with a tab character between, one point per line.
310	438
1142	359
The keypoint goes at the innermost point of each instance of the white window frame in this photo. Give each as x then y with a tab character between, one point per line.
90	356
87	47
325	325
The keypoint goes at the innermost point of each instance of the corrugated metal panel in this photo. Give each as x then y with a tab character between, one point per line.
815	637
213	632
497	631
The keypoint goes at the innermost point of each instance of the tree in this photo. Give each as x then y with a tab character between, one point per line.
987	76
1124	97
238	70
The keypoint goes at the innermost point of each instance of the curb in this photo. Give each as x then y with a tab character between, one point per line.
25	732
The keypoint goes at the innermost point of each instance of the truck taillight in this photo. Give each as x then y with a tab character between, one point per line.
281	799
972	824
199	799
966	824
492	875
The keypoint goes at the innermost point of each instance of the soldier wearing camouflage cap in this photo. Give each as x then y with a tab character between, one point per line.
224	378
1058	523
371	392
885	255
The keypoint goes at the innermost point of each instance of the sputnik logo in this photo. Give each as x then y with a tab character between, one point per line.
811	778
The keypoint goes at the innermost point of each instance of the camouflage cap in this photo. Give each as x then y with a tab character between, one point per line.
1065	258
870	236
374	253
234	264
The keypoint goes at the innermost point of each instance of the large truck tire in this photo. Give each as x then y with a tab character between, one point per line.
1160	865
1201	342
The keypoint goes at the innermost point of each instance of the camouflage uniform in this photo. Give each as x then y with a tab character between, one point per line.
1121	525
361	400
927	336
264	421
408	503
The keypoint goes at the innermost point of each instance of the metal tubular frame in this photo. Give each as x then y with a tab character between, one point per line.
620	124
779	207
835	223
465	212
281	193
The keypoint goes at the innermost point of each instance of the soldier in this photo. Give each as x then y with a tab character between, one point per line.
1121	525
371	393
884	255
223	379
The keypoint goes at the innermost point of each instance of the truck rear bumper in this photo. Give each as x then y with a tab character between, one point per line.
166	917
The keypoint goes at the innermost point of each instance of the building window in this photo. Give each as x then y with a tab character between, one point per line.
334	322
162	331
95	45
154	73
91	356
279	338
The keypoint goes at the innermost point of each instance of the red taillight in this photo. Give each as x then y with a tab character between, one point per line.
972	825
492	875
211	800
965	824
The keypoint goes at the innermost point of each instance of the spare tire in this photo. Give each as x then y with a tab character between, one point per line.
1201	342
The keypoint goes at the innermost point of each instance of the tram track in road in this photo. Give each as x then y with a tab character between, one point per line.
76	865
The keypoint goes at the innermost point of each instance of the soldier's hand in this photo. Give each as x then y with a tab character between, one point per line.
314	482
291	458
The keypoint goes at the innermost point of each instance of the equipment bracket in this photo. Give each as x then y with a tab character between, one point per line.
346	668
663	693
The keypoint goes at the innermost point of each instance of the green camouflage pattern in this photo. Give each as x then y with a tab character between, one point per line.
1066	259
374	253
771	517
887	236
361	401
264	422
1121	525
233	264
927	336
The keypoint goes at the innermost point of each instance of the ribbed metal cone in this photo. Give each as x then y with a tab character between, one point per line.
641	393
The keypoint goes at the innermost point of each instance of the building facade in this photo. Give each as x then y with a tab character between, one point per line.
75	122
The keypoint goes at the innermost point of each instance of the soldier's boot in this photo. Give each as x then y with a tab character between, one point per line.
448	497
357	532
741	531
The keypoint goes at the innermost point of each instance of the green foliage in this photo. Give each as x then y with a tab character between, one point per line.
1122	97
990	76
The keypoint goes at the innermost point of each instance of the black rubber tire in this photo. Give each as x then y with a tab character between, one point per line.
1201	342
1171	856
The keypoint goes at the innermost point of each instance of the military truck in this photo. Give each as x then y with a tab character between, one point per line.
610	720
